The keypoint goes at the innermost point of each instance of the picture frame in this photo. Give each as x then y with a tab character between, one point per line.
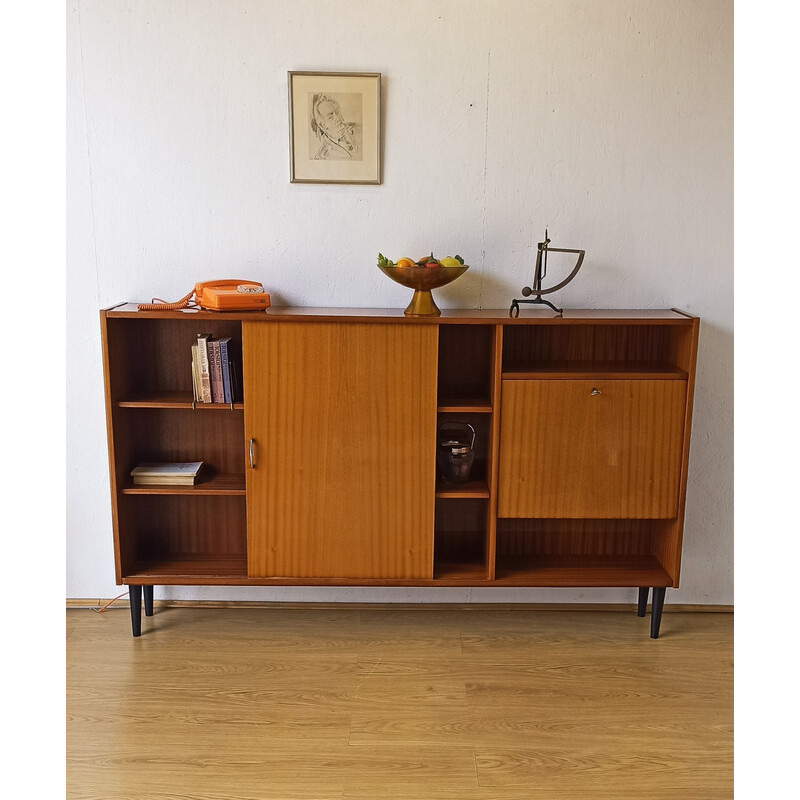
335	127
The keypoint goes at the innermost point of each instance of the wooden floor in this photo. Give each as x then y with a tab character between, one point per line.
372	703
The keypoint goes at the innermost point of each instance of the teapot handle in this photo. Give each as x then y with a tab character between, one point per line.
461	425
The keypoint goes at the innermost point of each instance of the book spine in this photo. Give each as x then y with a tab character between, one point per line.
225	366
205	374
235	391
235	361
217	395
196	390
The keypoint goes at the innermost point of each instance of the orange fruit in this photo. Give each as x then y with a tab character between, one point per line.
404	262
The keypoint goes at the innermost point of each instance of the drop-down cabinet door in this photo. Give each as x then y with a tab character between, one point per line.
340	422
591	448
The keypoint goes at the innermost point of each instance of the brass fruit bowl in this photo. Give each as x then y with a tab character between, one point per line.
422	280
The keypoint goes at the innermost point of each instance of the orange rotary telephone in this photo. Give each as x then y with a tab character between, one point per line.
228	295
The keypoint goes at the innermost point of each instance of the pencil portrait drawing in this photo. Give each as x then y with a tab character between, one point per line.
336	126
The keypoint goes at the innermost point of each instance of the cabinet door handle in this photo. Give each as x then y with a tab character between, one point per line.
252	452
594	392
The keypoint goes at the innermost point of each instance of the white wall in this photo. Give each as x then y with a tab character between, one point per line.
608	122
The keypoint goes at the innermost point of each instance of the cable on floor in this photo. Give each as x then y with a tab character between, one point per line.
101	610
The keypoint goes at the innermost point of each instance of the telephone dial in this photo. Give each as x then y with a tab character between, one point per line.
227	295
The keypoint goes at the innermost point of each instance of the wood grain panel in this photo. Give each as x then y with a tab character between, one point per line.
343	418
152	355
167	527
180	435
617	344
591	448
465	354
583	537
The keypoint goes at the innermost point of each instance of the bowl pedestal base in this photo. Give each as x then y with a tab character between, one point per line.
422	305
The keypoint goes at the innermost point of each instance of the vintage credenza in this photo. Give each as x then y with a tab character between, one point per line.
323	471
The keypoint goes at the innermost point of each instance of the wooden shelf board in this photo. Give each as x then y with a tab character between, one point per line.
188	569
580	571
544	571
459	571
173	399
212	485
593	370
570	316
473	489
464	405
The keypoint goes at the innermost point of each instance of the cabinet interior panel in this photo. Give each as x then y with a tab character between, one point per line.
582	571
453	547
151	356
465	360
667	542
584	537
536	346
175	531
180	435
460	545
592	552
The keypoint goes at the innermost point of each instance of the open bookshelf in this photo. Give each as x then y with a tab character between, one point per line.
172	533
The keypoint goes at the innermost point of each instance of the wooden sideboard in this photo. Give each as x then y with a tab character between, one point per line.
324	472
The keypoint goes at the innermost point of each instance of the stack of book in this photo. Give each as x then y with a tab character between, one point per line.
176	473
215	370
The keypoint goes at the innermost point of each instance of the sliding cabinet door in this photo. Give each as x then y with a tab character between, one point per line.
340	421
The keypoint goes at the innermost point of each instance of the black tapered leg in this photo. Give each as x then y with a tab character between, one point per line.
659	593
148	600
644	593
135	594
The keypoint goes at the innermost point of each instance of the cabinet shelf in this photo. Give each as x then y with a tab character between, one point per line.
464	405
173	399
189	569
230	484
576	570
472	489
454	571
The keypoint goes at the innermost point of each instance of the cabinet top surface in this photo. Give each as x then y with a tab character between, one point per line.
448	316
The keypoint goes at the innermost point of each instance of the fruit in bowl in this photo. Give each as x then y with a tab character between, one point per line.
423	275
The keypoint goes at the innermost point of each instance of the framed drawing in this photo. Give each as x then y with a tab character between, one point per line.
335	127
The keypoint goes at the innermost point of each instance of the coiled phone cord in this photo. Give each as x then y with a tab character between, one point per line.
162	305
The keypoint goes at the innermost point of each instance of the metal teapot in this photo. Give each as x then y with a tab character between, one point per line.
456	453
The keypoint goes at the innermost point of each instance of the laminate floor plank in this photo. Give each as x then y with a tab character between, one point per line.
136	765
578	773
382	704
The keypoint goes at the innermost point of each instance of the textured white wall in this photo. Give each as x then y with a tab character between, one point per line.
610	123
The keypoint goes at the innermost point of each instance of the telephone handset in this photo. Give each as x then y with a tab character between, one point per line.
225	295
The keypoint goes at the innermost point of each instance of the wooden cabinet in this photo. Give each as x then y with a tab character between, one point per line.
325	471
